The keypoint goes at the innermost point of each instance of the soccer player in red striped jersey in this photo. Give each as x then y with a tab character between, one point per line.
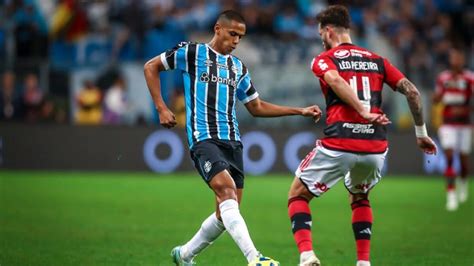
355	145
454	89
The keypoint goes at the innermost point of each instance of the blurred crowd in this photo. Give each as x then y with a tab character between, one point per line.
37	35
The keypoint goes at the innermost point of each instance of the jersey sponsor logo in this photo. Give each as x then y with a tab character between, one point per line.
358	65
456	84
360	128
205	77
359	53
453	98
341	54
207	166
222	66
208	63
322	64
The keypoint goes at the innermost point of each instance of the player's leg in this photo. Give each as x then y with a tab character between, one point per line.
463	190
316	174
365	174
211	228
226	194
448	137
300	217
465	150
362	220
208	161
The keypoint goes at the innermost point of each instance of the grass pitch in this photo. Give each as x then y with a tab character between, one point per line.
69	218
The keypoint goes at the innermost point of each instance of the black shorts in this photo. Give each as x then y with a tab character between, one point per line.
212	156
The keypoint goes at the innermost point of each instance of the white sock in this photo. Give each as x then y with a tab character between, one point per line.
235	225
210	230
363	263
305	255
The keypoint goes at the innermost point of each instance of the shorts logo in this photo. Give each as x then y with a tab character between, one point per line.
321	187
363	187
207	166
342	54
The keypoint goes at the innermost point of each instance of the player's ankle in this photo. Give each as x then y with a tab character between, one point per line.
306	254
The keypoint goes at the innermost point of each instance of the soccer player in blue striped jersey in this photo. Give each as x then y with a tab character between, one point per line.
213	80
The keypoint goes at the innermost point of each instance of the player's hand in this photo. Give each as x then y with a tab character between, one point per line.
427	145
167	118
379	119
312	111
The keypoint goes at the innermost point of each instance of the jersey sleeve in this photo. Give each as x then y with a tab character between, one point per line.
322	64
392	74
175	58
471	79
246	92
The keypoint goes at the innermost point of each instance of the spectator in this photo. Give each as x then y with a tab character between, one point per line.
287	23
116	102
30	31
10	102
32	98
89	101
178	107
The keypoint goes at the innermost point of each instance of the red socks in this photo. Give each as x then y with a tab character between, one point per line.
362	226
450	175
300	216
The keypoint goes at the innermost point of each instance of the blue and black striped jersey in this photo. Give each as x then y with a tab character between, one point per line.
211	83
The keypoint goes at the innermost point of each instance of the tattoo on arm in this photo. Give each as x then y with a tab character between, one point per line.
407	88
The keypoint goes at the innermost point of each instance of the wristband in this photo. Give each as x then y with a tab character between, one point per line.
420	131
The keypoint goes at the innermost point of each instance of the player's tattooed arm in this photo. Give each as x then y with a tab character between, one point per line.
405	87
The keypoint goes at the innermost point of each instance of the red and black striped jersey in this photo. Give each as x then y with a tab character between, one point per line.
366	72
456	90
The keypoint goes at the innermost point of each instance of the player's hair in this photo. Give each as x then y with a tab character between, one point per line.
458	49
336	15
230	15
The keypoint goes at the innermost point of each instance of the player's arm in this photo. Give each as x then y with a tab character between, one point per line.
260	108
152	77
344	91
438	94
405	87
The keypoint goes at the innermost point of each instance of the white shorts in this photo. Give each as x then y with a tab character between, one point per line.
323	168
457	138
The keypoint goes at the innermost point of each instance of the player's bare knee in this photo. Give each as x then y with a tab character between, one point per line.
297	189
225	192
357	197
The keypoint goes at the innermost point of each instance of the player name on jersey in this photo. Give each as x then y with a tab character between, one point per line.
358	65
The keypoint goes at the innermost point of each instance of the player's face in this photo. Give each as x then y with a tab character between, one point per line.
229	35
324	33
456	59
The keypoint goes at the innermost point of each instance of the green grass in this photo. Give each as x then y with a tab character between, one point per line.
65	218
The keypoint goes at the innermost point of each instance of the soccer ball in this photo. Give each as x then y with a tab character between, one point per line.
264	261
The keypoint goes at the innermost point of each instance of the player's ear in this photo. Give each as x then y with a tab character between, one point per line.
217	28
